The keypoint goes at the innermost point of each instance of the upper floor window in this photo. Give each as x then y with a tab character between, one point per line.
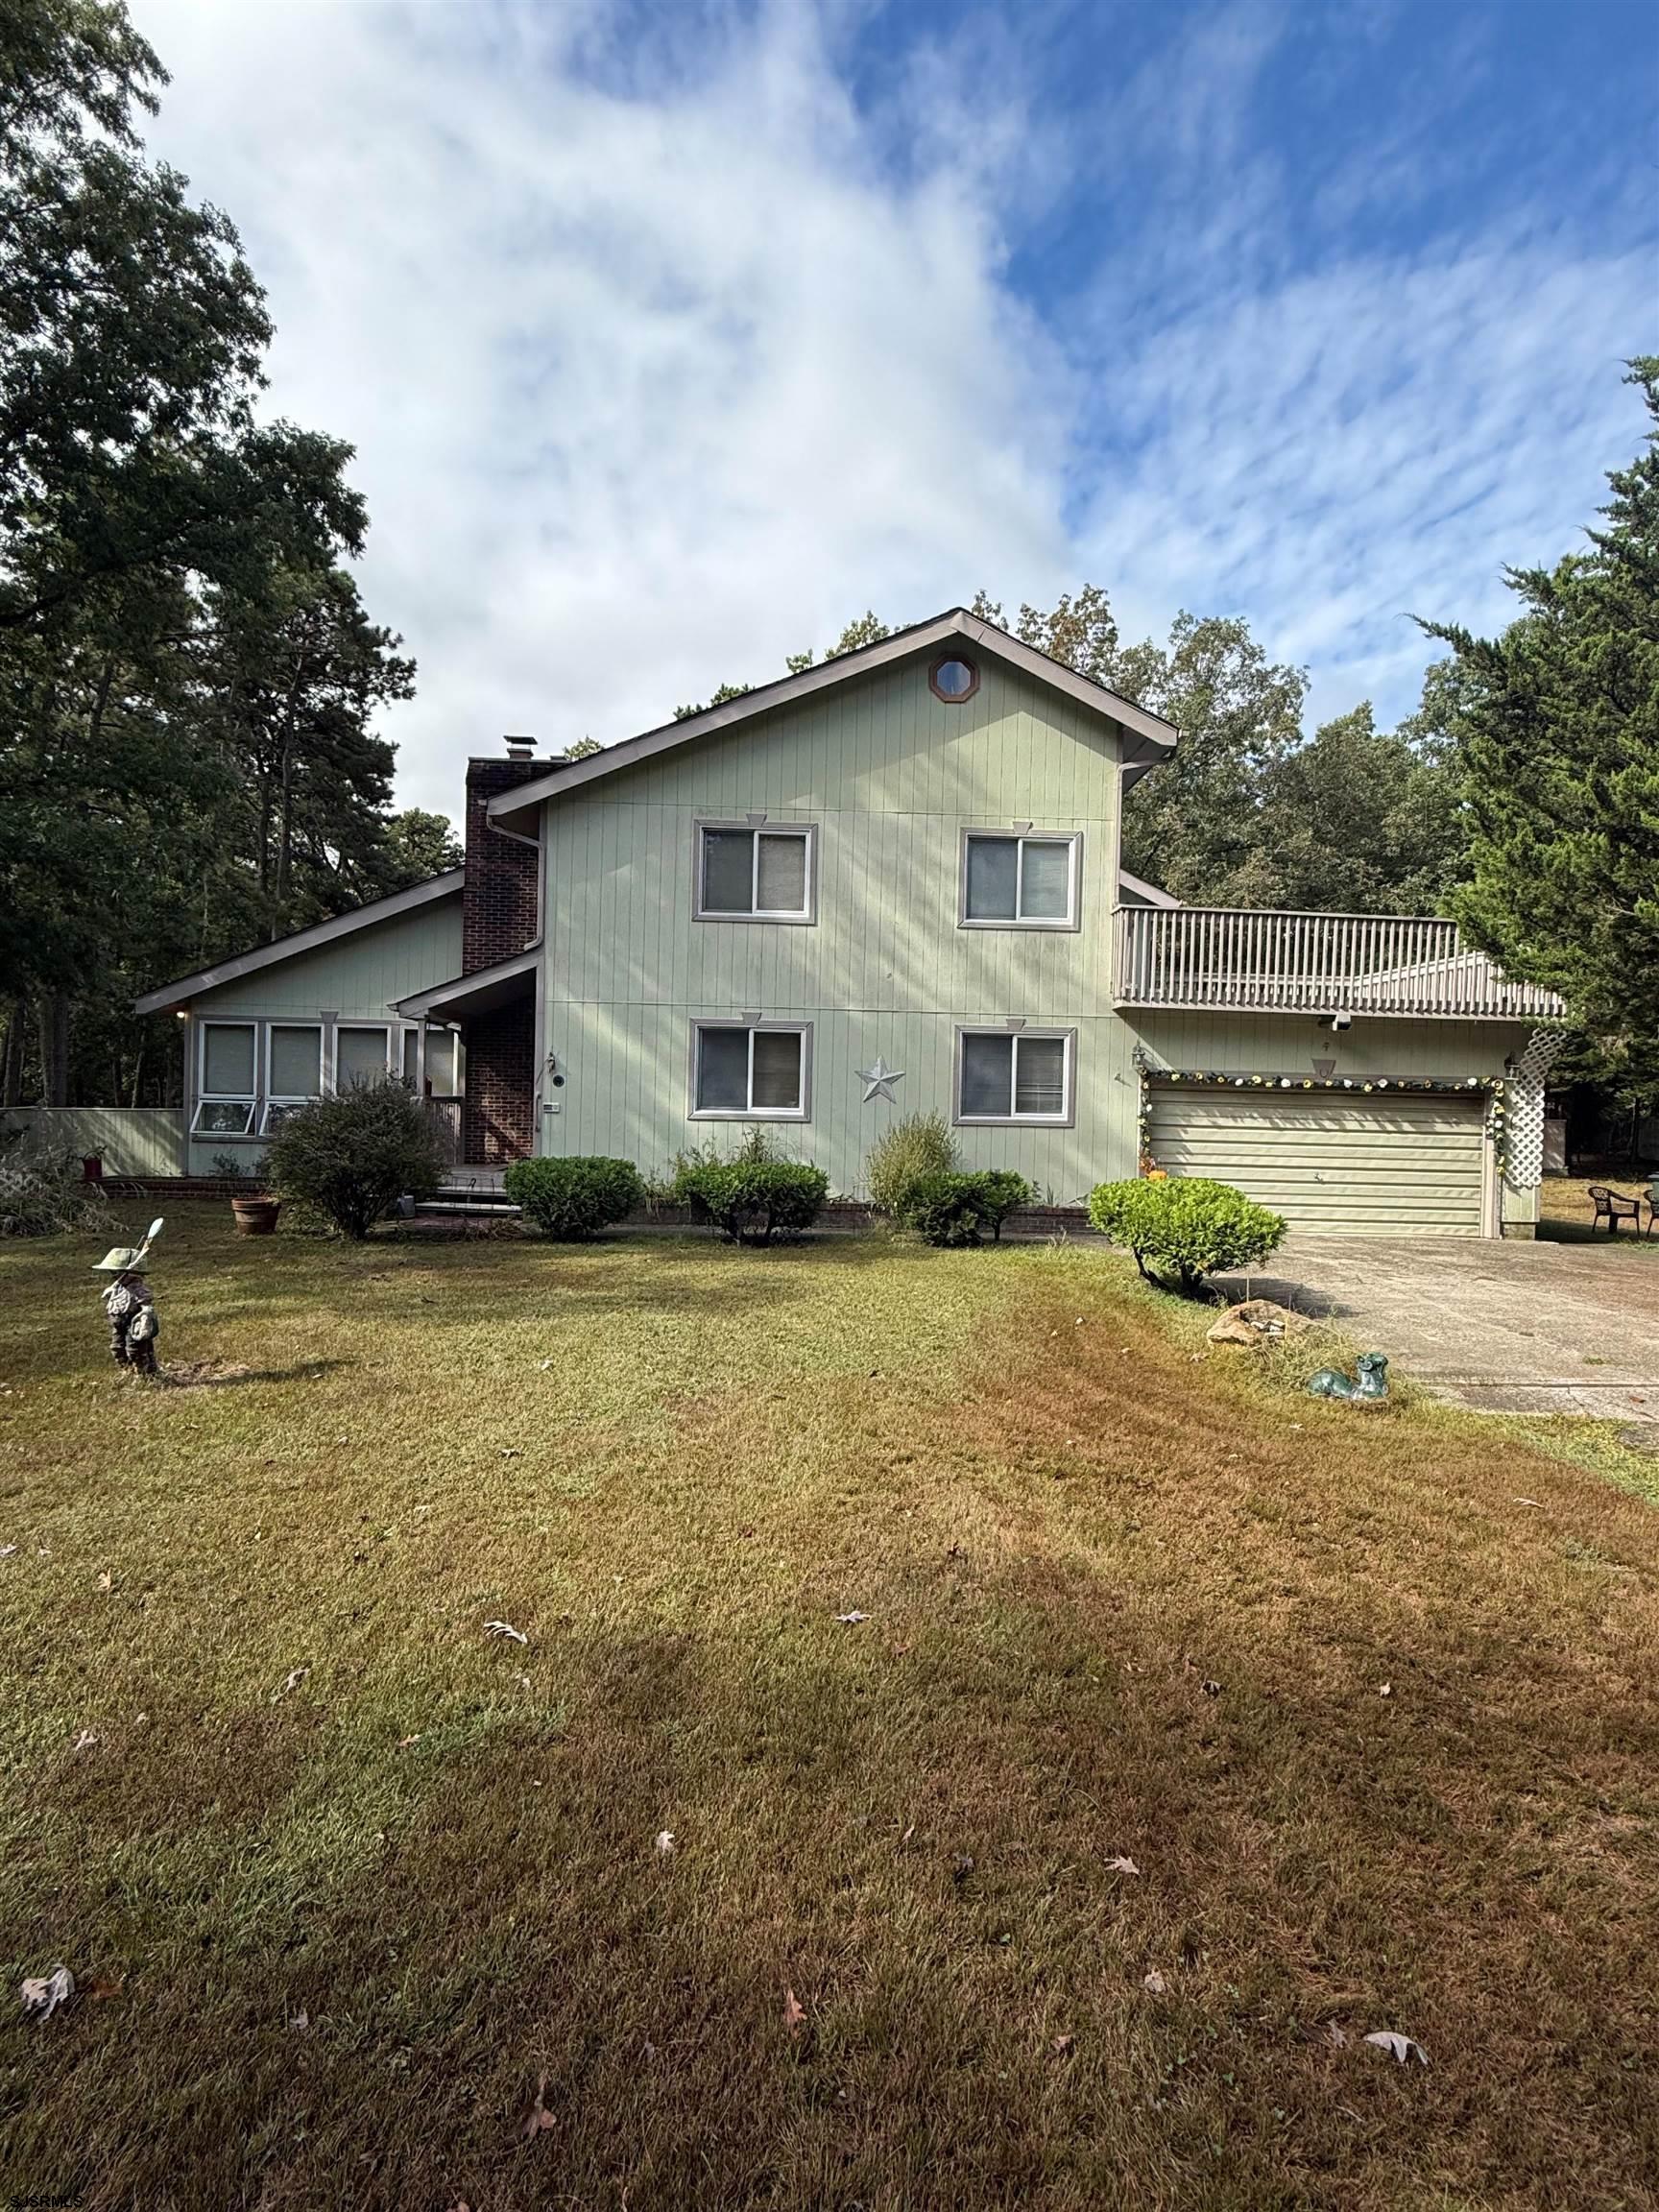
952	679
1021	883
755	873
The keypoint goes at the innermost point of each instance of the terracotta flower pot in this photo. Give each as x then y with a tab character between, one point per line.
255	1216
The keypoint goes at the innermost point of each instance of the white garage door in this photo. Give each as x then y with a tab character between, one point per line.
1400	1167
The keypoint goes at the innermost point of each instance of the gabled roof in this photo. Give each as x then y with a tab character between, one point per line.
1141	893
446	886
1149	736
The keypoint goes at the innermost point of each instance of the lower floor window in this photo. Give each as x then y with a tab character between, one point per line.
743	1069
1014	1075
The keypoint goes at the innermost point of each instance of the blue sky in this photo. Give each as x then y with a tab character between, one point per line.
671	335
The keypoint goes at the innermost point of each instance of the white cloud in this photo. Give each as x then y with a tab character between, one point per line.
658	366
646	392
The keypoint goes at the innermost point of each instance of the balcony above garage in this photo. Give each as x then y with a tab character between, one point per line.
1231	959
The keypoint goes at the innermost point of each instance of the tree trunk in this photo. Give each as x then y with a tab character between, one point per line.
12	1065
55	1048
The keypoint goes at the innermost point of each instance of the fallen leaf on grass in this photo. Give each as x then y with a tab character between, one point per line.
292	1682
1399	2047
511	1451
105	1580
43	1993
1211	1688
1334	2038
1122	1867
7	1550
1154	1982
505	1629
1385	1690
908	1833
1061	2045
1538	1502
538	2119
667	1843
794	2013
301	2021
85	1741
852	1618
404	1742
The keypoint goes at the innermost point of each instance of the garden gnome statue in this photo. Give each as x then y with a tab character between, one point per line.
131	1305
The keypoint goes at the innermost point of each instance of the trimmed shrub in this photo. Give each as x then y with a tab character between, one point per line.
354	1156
944	1208
42	1193
574	1199
1186	1227
750	1200
919	1145
1001	1192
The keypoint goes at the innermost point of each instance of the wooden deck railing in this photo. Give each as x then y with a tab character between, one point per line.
1219	956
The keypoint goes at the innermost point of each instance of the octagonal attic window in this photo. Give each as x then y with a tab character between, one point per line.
952	679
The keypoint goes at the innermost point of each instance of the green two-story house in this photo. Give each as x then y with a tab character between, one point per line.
890	884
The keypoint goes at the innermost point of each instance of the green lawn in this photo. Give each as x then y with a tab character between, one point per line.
1368	1701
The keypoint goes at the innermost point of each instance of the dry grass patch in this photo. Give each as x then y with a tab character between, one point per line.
358	1875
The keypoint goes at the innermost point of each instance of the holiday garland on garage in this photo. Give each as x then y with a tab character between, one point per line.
1422	1087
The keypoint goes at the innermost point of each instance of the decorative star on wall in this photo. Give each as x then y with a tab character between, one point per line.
879	1080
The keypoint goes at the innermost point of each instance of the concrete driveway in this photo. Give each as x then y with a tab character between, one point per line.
1506	1327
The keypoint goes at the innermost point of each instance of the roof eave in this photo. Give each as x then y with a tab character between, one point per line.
167	995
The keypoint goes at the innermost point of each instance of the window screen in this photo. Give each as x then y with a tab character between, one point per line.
722	1071
1019	879
1040	1075
359	1056
1044	880
227	1059
987	1074
759	872
1012	1079
992	878
777	1070
295	1061
443	1064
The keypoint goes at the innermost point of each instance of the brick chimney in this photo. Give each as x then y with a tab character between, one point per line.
497	920
498	910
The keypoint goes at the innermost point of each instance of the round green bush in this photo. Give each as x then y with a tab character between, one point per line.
575	1198
354	1156
751	1200
1000	1190
948	1210
1184	1227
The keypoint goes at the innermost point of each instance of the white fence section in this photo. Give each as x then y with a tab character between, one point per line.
131	1141
1224	956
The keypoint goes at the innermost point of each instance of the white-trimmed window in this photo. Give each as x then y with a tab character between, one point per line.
361	1054
1014	1074
751	1071
1025	881
748	872
225	1087
292	1070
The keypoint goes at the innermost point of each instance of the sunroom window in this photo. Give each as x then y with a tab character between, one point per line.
292	1070
225	1093
1013	1076
1013	882
741	1069
758	875
360	1055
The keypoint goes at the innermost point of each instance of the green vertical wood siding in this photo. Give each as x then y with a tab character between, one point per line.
892	777
356	977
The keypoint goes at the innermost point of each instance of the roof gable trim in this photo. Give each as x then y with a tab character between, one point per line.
169	995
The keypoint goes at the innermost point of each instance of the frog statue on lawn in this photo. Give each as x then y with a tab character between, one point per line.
1373	1382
